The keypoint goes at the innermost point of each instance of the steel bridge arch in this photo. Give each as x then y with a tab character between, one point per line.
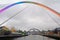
39	4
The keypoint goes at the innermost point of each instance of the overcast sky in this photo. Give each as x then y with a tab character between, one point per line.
31	17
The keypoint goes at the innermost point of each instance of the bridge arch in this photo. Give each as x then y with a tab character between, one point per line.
34	31
39	4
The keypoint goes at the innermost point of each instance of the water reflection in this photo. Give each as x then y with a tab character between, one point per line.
6	38
34	37
30	37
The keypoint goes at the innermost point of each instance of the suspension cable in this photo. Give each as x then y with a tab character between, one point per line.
13	16
53	19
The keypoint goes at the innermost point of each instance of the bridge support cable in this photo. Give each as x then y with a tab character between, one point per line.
13	16
54	20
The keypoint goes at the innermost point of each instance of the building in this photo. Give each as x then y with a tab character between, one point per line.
4	30
57	31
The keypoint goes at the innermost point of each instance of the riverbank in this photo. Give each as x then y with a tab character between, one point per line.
12	36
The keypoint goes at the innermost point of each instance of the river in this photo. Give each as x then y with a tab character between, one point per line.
34	37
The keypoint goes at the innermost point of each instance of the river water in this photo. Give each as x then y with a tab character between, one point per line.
34	37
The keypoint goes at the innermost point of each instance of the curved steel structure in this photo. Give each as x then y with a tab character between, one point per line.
39	4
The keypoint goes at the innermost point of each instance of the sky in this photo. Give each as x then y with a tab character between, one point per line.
32	16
